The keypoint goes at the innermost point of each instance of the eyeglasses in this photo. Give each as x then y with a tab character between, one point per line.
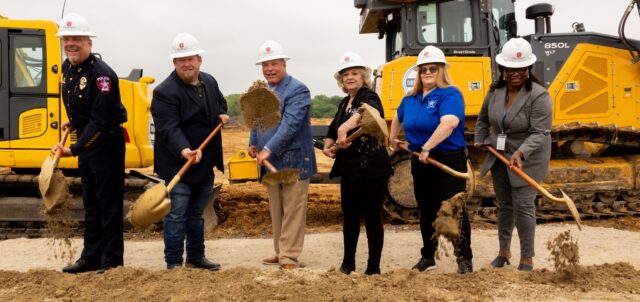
430	69
516	70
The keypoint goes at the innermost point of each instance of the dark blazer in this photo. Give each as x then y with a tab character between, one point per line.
527	126
181	122
364	158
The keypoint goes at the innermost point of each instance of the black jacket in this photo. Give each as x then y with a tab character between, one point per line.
91	95
364	158
181	122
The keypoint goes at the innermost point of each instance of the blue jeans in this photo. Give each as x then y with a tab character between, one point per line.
185	221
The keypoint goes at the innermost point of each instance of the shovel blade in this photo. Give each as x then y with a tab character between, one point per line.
151	207
572	208
282	176
44	179
57	192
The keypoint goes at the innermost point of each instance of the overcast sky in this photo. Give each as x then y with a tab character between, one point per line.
138	33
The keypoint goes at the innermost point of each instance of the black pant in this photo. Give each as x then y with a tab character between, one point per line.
432	186
102	173
360	198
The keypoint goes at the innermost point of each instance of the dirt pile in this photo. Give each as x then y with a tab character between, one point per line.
613	281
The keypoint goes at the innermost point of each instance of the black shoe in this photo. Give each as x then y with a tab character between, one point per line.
81	266
372	271
347	268
525	267
203	263
465	266
425	264
500	261
172	266
104	270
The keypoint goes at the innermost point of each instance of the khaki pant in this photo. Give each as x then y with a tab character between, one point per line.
288	207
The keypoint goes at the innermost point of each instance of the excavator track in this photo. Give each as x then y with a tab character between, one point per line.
598	166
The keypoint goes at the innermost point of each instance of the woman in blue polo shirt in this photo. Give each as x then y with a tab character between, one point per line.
432	118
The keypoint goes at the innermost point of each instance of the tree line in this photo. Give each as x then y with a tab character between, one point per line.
322	106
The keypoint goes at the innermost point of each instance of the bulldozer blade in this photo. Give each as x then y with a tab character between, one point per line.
282	176
150	207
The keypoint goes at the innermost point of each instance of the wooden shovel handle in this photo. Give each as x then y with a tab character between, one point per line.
56	157
190	161
269	166
518	171
349	139
437	164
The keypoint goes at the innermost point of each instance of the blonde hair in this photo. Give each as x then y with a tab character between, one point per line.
364	71
443	80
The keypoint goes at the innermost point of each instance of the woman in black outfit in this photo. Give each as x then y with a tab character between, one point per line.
363	165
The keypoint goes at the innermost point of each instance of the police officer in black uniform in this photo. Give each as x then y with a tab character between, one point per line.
92	100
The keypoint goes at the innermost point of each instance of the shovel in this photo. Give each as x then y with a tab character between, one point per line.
47	173
154	203
260	106
565	199
282	176
469	176
370	123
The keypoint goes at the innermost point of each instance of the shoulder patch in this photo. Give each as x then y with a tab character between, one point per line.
104	84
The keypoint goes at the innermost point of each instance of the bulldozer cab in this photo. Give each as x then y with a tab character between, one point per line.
29	90
458	27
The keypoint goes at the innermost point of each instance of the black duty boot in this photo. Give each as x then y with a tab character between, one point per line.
81	266
203	263
372	270
425	264
347	268
465	266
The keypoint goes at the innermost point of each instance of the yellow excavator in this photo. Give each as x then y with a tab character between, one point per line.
31	113
593	79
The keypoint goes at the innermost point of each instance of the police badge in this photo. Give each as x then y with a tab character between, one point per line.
83	83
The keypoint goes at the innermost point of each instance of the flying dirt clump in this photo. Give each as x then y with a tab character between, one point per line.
59	228
564	254
260	107
447	223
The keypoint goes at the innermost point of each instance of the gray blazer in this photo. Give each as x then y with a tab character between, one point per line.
527	126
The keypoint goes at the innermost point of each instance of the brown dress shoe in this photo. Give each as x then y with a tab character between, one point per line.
273	260
288	266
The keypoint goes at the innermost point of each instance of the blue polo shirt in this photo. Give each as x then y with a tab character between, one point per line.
421	116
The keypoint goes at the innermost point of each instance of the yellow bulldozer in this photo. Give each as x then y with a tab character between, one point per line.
31	112
593	79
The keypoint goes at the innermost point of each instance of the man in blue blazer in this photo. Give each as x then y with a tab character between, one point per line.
288	145
186	107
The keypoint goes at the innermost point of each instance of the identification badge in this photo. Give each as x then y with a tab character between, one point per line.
502	140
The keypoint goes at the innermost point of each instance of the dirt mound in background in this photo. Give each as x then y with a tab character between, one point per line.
603	282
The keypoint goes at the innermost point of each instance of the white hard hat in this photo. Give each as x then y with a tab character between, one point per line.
430	55
516	53
74	25
270	50
185	45
350	59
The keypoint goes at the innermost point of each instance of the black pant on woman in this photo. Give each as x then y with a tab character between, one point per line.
432	186
363	197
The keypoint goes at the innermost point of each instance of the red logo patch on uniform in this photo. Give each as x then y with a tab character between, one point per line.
104	84
518	54
69	23
268	50
181	45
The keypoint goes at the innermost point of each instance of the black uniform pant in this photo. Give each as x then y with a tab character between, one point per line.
360	198
432	186
102	173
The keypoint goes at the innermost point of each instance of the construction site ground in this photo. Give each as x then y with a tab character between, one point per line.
609	263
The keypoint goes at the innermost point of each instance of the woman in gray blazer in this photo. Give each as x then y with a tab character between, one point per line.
516	120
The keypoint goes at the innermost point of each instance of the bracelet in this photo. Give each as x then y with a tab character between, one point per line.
425	149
